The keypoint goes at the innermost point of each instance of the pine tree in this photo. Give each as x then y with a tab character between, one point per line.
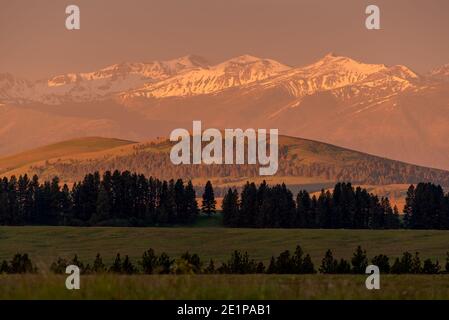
164	263
210	269
66	205
117	265
230	209
127	266
99	266
430	267
328	264
103	207
382	262
307	266
359	261
416	266
303	208
404	265
344	267
191	204
75	261
248	205
272	266
149	261
209	202
4	267
298	260
285	264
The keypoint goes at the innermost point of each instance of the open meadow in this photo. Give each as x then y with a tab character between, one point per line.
222	287
46	244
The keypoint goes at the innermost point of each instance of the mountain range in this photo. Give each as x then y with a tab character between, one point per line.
389	111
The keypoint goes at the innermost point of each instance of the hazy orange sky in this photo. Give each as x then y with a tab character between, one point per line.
34	42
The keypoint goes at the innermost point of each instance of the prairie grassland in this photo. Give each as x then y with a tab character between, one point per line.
272	287
46	244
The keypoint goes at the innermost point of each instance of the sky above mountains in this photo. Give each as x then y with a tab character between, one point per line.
35	44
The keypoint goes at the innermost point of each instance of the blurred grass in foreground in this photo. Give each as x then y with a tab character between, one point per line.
224	287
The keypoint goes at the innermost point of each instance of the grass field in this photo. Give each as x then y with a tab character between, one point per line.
45	244
224	287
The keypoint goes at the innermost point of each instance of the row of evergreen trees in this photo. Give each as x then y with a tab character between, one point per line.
275	207
239	263
427	207
115	198
407	264
19	264
123	198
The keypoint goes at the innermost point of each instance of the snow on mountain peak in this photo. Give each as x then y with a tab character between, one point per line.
403	72
441	72
234	72
192	75
335	63
243	59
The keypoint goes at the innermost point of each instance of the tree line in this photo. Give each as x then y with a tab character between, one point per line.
275	207
131	199
239	262
263	206
427	207
118	198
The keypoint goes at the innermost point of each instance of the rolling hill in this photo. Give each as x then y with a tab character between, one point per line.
61	149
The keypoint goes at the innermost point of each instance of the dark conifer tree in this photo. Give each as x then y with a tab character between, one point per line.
328	265
382	262
191	204
359	261
248	205
98	266
117	265
230	208
209	202
103	207
127	266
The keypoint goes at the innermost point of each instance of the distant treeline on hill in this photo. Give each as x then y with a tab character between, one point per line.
351	166
130	199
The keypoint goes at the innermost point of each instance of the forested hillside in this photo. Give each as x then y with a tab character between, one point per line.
299	160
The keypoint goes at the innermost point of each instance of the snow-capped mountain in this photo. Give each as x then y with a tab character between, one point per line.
235	72
192	75
335	72
389	111
97	85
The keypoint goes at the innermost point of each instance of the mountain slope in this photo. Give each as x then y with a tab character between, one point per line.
61	149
